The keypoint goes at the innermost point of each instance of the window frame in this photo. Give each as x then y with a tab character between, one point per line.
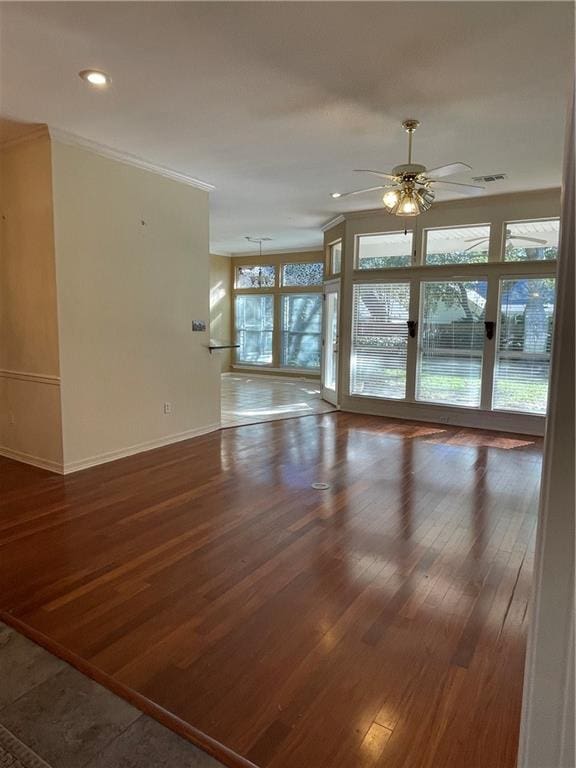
460	279
372	270
506	224
520	276
329	266
282	331
283	264
459	265
277	291
238	267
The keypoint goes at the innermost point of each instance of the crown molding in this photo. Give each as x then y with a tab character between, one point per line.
333	222
281	252
71	139
216	252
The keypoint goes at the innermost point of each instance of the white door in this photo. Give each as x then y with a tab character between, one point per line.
330	343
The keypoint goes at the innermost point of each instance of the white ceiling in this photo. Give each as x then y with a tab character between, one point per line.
276	103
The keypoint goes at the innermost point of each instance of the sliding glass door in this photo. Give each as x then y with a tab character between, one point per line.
451	342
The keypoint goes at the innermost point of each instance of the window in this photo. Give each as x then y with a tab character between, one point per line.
379	339
336	257
532	240
392	249
459	245
256	277
524	343
451	342
301	330
254	324
302	274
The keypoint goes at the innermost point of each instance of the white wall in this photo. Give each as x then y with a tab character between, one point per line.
547	735
132	272
30	424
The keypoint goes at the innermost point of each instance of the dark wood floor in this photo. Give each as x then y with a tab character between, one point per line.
379	623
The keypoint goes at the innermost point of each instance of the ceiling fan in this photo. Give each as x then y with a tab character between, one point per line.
408	190
510	238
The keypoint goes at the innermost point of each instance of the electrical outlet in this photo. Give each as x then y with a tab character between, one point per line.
167	408
12	418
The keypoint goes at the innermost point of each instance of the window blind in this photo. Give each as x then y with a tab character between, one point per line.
301	330
254	324
451	342
524	344
379	339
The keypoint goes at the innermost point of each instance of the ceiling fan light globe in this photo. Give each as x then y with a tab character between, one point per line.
409	205
390	198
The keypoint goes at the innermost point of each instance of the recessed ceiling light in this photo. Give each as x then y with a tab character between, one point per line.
95	77
335	194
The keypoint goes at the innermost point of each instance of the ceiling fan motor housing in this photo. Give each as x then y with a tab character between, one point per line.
411	170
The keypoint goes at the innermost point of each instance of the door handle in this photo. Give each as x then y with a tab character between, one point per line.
489	326
412	325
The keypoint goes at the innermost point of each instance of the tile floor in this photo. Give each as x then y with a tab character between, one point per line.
72	722
249	399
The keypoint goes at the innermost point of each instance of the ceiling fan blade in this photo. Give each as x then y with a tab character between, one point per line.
465	189
383	174
528	239
447	170
362	191
474	244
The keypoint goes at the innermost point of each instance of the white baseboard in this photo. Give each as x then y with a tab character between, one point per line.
104	458
35	461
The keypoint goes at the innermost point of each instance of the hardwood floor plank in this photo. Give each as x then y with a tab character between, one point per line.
379	623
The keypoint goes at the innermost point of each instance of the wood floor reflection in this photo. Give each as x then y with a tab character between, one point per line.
381	622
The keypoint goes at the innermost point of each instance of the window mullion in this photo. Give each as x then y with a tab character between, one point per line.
491	315
412	358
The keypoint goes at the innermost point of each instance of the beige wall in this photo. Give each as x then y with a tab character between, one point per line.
133	272
221	306
30	425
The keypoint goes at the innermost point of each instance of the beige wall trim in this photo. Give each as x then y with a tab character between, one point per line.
127	158
131	450
499	421
37	378
35	461
333	222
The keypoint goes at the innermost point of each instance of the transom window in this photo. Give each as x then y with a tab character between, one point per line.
336	257
457	245
532	240
302	273
260	276
384	251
